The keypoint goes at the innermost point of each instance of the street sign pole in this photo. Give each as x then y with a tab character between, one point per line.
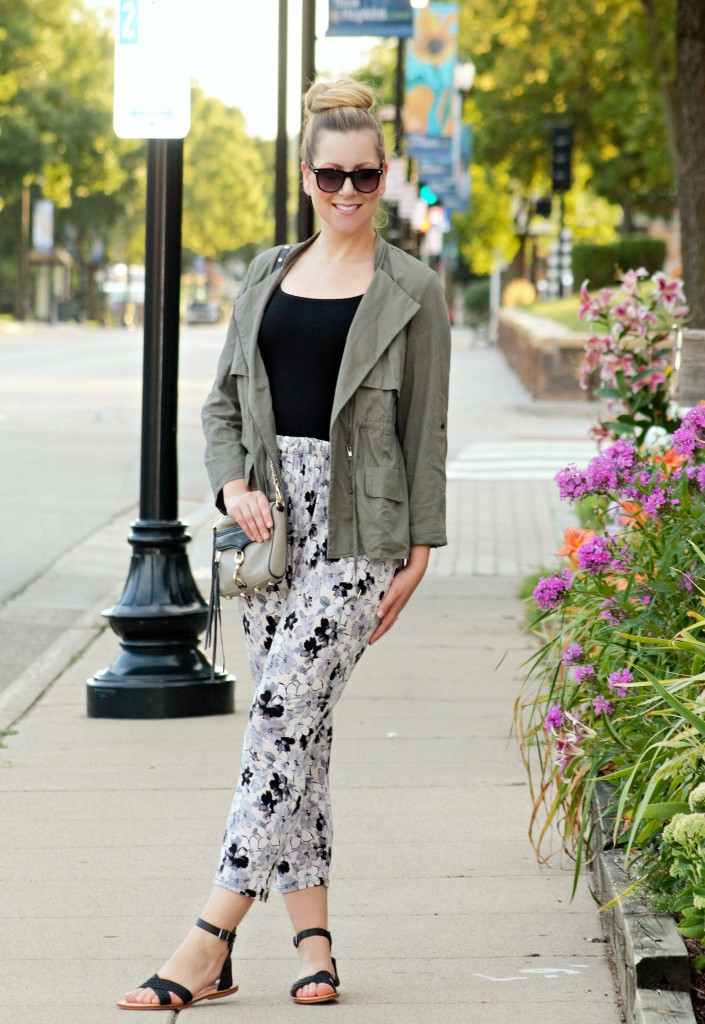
160	671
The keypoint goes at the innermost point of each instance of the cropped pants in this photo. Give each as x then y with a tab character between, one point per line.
304	637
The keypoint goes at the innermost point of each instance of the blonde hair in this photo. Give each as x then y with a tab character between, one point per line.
341	106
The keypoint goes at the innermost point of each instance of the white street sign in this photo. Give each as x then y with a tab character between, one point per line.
152	72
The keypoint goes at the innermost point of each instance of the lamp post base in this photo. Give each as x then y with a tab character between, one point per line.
109	696
160	671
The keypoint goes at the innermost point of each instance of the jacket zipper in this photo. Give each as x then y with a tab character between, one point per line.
348	447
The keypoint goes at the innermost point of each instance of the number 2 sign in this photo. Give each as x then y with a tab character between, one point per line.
128	21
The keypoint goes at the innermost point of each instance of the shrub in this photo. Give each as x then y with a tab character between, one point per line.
477	301
603	264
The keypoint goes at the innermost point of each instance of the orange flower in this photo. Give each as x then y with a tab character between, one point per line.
573	540
668	462
634	515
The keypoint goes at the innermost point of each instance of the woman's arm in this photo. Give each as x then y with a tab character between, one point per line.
401	588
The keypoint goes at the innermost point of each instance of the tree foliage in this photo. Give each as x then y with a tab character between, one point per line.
546	62
228	181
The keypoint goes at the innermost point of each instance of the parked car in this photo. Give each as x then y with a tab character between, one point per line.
199	312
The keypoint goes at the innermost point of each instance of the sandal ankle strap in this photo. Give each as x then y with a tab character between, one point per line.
308	932
220	933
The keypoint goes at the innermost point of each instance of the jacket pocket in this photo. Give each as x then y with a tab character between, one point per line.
383	521
383	482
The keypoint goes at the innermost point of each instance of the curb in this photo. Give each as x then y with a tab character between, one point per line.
652	962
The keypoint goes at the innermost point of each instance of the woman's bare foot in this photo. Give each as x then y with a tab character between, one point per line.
196	965
199	960
314	956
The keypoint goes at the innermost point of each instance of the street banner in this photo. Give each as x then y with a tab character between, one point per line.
370	18
430	106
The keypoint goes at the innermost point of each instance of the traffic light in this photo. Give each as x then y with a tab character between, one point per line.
427	194
561	159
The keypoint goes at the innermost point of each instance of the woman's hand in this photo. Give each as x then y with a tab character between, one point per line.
250	509
401	588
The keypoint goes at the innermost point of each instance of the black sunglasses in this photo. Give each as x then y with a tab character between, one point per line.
330	179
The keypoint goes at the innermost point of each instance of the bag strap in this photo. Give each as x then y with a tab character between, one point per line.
214	624
281	256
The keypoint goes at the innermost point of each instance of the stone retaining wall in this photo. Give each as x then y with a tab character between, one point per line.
544	354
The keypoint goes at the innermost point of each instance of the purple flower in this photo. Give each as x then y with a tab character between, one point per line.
621	561
571	483
554	718
550	591
584	673
612	612
572	654
618	681
601	475
601	705
691	433
594	556
697	473
622	454
686	582
654	503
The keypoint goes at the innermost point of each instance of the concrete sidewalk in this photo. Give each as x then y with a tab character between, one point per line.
110	829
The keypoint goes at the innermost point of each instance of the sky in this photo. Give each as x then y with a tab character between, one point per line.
233	48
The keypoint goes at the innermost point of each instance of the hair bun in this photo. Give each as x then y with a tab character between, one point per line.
345	92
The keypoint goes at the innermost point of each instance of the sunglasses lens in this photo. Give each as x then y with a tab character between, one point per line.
330	180
365	180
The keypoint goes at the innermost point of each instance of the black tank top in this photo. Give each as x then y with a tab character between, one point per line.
302	342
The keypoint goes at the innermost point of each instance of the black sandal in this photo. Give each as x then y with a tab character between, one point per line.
320	978
163	987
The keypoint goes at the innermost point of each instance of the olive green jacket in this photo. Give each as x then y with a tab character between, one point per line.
388	426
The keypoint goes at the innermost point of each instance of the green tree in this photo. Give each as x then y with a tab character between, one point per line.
547	62
228	182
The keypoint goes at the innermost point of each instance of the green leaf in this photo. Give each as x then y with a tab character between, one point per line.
665	811
675	703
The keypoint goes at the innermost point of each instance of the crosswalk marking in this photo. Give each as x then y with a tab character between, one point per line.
519	460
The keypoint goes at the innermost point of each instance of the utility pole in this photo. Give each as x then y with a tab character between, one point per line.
308	74
22	296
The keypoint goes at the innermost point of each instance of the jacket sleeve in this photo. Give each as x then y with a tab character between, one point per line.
422	416
222	423
222	416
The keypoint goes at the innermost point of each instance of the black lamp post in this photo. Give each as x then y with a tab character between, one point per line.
160	671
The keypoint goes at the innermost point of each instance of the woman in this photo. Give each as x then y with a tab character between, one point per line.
334	377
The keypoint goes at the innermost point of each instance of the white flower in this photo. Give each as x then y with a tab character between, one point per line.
656	440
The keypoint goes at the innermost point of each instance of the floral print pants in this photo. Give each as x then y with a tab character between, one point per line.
304	637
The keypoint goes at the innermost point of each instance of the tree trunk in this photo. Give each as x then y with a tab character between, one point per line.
690	91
